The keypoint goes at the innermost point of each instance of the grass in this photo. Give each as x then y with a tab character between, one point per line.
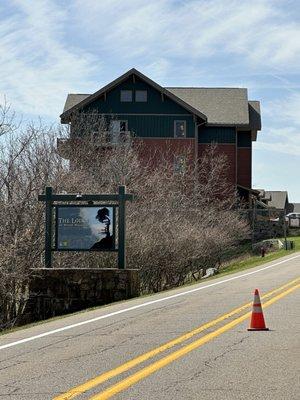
250	261
247	261
296	239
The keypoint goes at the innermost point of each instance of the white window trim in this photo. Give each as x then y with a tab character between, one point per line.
115	136
120	120
184	122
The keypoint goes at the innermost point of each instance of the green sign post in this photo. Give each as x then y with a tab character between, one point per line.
90	220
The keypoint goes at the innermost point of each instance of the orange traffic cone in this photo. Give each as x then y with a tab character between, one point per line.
257	322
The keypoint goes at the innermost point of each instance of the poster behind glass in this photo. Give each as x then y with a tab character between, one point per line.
85	228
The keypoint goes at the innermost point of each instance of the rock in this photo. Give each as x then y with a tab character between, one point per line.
268	244
210	272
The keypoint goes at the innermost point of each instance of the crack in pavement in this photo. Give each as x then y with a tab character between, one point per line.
30	394
98	352
46	374
13	365
207	363
121	325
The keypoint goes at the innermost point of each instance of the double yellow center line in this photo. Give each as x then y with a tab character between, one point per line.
150	369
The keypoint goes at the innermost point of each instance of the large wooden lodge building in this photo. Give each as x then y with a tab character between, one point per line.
178	117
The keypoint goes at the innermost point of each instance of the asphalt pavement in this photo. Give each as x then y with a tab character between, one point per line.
116	345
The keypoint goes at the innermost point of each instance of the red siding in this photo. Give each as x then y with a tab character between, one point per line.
230	151
244	167
153	150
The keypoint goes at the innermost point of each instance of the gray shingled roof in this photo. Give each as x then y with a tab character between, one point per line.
254	115
296	207
263	194
222	106
219	106
73	99
278	199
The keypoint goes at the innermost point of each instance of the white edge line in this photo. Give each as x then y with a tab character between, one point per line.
65	328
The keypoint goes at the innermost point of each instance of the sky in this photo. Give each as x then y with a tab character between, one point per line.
49	48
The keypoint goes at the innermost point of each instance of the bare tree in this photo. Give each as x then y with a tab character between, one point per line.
182	224
8	123
179	224
28	162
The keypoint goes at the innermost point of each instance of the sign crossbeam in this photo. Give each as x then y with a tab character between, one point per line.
85	197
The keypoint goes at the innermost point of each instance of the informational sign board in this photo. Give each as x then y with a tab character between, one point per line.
85	228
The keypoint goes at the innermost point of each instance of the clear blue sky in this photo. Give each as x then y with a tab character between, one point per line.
51	47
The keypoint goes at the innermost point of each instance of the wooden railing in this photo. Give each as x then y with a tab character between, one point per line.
106	139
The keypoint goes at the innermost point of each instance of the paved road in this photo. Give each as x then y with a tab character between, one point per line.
219	361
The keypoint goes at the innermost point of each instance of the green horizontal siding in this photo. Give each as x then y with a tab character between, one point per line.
216	134
244	139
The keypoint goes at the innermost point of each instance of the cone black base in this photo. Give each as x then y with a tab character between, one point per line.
257	329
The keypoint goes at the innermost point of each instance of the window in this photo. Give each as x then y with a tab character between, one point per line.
118	126
126	96
179	164
141	96
118	131
180	129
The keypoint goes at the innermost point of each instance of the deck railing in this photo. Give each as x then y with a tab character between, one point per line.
105	139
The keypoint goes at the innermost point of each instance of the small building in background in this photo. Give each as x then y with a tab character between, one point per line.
295	208
279	200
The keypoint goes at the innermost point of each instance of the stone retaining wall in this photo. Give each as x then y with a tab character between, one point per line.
59	291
